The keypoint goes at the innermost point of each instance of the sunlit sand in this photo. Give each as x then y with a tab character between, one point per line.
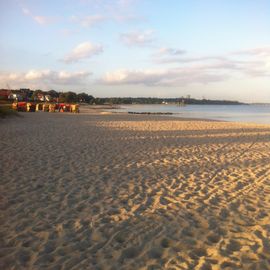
116	191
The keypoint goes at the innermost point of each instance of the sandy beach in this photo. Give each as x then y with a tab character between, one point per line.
115	191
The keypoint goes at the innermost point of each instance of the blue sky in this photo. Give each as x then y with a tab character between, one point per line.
217	49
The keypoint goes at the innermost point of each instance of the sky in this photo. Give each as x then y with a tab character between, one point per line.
214	49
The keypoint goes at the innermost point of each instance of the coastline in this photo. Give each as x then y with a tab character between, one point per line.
101	190
254	114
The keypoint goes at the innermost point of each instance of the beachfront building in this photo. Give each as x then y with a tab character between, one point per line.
5	94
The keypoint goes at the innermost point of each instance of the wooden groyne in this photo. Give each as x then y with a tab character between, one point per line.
152	113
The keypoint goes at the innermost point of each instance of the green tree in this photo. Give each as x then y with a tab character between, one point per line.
83	97
70	97
53	94
36	93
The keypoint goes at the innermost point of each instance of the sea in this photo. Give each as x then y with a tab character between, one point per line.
252	113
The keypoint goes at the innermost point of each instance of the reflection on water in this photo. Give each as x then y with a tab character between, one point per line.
236	113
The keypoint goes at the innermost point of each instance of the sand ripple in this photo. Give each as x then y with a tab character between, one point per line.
133	192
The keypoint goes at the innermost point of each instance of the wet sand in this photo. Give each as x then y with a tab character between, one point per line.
116	191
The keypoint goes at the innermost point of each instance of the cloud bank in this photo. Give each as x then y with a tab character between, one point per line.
161	77
180	70
37	78
82	51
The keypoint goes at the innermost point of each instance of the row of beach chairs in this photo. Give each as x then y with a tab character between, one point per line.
45	107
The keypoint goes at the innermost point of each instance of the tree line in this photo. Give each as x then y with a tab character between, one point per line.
69	97
151	100
72	97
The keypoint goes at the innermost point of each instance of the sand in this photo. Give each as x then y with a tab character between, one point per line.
116	191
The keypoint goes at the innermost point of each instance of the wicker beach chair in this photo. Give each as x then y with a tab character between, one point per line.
75	108
45	107
62	107
67	107
39	107
15	106
30	107
21	106
52	108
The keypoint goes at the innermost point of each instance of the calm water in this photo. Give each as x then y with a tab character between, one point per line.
236	113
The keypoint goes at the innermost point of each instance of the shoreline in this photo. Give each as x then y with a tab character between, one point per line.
120	191
218	115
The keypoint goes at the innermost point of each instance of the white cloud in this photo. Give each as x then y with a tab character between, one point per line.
119	11
38	78
184	60
36	74
260	52
189	70
165	51
97	19
257	59
89	21
83	51
42	20
163	77
253	62
26	11
137	38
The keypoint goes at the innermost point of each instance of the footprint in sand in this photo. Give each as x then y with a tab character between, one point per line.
129	253
233	246
213	238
